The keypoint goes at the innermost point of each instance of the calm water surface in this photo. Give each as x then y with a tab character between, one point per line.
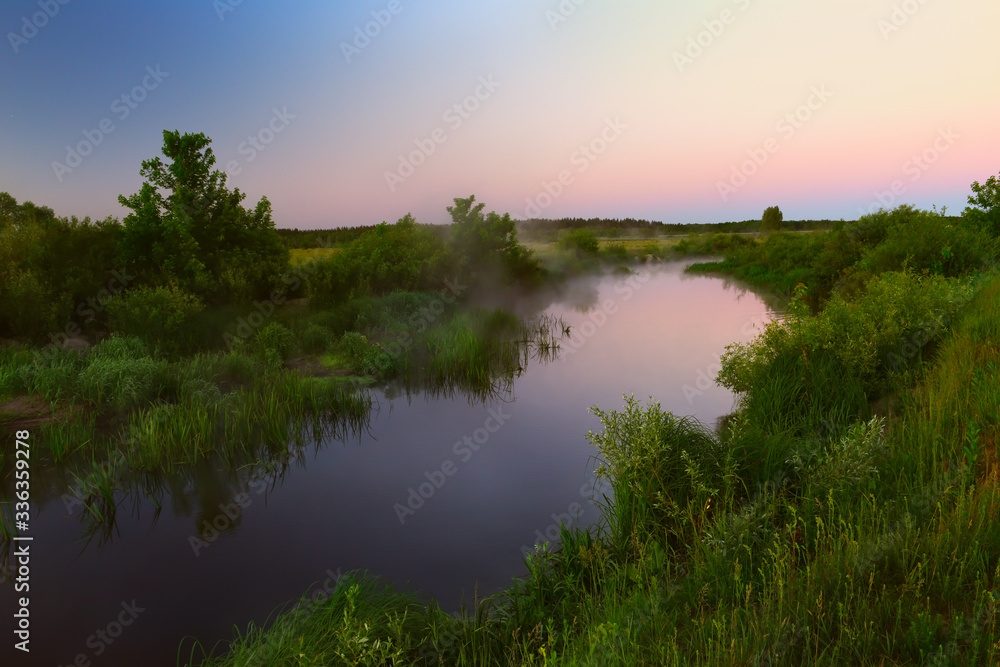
517	464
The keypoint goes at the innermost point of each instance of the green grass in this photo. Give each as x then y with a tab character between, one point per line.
300	256
848	539
361	622
243	405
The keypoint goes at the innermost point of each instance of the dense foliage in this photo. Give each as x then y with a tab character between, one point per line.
188	230
772	220
582	240
536	229
477	248
403	256
846	257
56	274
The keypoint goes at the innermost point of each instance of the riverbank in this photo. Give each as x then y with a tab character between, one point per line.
876	543
845	514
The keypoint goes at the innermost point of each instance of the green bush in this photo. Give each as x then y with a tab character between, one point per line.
156	315
276	338
27	308
665	472
120	374
926	241
388	258
581	240
364	358
54	272
316	339
871	337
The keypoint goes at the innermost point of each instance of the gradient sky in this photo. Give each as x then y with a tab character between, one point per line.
897	85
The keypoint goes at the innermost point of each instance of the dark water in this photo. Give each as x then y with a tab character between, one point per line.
495	477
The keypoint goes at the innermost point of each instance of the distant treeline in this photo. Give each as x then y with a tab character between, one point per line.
331	238
549	229
536	228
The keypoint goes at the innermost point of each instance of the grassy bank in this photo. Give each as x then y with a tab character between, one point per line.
166	410
852	532
845	514
844	258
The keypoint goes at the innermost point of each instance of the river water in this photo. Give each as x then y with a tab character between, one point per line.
441	493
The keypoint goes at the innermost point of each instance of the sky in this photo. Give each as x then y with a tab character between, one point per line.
354	113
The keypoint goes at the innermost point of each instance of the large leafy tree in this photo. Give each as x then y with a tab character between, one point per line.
489	241
771	222
984	204
188	230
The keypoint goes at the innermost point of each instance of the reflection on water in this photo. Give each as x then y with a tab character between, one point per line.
226	541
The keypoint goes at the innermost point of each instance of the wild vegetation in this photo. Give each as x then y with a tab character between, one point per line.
851	253
845	514
549	230
182	313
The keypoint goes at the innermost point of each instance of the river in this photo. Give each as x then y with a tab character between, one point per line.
441	493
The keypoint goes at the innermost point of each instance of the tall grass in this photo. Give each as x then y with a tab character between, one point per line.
361	622
871	541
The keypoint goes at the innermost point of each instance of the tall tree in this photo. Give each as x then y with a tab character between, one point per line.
187	229
771	222
485	241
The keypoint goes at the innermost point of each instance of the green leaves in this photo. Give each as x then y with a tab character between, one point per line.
488	241
186	228
772	219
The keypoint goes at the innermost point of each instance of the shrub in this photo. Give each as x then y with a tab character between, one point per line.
581	240
926	241
364	358
27	308
870	337
403	256
316	339
665	472
156	315
276	338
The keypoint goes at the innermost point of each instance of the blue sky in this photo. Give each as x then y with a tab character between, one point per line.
722	108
